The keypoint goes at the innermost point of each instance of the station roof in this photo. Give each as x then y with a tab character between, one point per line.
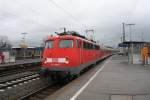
127	43
28	47
134	42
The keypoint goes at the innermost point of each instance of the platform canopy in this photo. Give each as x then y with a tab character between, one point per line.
127	43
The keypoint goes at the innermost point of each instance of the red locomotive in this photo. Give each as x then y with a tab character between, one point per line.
69	53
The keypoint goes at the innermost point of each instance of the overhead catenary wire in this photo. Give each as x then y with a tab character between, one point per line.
66	12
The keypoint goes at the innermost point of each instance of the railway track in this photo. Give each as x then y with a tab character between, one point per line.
10	71
30	89
43	92
18	81
14	68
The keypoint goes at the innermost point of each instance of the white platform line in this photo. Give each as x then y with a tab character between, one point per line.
89	81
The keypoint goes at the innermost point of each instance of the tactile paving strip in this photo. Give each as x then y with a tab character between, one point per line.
121	97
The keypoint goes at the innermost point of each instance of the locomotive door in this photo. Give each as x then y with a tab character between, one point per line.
81	52
79	42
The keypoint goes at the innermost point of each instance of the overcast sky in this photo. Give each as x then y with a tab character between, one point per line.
40	18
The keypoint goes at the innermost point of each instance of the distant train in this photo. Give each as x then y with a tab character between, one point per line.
69	53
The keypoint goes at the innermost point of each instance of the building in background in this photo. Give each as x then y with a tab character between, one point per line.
30	52
133	50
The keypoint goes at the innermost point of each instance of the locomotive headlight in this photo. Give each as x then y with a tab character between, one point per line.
67	60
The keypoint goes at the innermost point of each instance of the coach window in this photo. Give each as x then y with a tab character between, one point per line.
49	44
97	47
91	46
84	45
94	47
66	43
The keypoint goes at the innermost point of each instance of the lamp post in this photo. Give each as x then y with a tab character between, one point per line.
24	45
123	38
123	32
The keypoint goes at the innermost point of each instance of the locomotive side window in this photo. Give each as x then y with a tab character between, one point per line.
78	44
66	43
49	44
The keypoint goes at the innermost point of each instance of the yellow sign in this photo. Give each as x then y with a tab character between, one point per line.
23	45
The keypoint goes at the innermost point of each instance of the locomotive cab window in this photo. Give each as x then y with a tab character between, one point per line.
66	43
49	44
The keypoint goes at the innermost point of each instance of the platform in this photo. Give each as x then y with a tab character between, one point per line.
114	80
19	62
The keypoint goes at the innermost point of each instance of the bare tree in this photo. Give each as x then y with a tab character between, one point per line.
43	40
4	42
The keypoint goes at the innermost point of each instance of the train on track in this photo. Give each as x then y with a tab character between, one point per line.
69	53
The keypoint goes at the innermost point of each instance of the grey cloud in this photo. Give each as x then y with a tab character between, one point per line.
41	17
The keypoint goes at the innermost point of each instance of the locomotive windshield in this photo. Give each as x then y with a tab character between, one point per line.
49	44
66	44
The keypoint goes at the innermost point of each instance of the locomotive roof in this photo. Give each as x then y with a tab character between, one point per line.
69	37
